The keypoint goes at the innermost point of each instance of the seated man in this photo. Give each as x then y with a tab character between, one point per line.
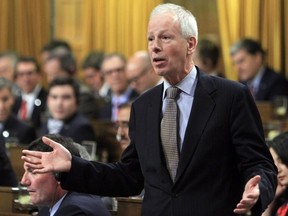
31	103
140	73
12	129
264	83
207	57
46	192
122	125
64	118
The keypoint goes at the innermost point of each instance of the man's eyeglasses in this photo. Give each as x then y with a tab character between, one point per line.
122	124
116	70
25	73
136	78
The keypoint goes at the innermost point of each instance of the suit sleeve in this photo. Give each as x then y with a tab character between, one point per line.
253	154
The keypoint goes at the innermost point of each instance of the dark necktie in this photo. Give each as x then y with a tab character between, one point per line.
169	132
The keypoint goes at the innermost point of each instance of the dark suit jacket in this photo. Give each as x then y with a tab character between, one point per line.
16	128
38	110
7	175
271	85
78	204
76	127
223	148
106	109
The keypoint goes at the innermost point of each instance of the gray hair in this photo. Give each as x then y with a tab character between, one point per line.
6	84
186	19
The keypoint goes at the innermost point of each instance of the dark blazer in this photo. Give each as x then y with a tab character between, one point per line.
15	128
271	85
106	109
76	127
38	110
78	204
8	177
223	148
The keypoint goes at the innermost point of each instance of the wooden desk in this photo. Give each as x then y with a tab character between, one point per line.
7	198
129	206
265	110
13	214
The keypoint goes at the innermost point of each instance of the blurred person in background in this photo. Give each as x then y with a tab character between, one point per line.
64	118
122	125
8	61
264	83
207	56
92	74
12	129
113	68
140	73
278	147
30	105
55	47
66	66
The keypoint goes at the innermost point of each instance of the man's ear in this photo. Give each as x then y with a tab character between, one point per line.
191	45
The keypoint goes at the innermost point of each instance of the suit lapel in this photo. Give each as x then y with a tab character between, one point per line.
153	131
202	108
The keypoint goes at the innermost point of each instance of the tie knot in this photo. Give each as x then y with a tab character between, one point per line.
172	92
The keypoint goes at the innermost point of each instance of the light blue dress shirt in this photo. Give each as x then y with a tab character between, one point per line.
185	100
56	206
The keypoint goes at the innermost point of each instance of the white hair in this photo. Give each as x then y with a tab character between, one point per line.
186	19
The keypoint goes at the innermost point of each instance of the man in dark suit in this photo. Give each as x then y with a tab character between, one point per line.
30	106
224	165
64	118
113	68
12	131
8	177
46	192
11	128
249	59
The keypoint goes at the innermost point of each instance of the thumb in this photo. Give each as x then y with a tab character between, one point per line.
254	181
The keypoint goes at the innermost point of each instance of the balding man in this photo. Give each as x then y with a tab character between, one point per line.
140	73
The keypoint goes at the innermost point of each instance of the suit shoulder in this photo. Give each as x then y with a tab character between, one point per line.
212	83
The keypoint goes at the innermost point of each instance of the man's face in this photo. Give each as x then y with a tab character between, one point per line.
93	78
168	49
53	70
42	187
62	102
6	69
123	127
6	103
114	72
246	65
138	75
27	77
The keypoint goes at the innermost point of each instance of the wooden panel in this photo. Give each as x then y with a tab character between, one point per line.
68	24
265	110
6	199
129	206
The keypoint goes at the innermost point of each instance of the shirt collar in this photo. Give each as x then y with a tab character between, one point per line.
185	84
55	207
255	82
